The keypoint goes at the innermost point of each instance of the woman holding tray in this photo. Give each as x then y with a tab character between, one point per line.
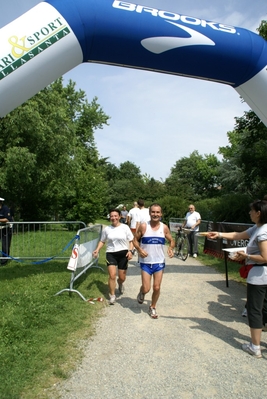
256	257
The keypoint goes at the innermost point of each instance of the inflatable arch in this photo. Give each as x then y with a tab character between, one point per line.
57	35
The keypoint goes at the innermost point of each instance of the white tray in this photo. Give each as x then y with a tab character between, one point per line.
236	249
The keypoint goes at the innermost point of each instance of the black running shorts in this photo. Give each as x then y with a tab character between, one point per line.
117	259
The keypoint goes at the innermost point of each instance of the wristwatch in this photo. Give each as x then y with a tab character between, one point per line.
248	257
132	251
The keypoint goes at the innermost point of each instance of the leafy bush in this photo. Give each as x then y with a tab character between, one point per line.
232	208
173	207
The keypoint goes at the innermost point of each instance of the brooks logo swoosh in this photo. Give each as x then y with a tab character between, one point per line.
161	44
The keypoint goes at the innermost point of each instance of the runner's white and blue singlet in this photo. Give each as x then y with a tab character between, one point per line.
153	242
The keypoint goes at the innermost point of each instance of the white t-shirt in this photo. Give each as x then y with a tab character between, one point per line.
258	274
117	238
191	219
134	214
144	215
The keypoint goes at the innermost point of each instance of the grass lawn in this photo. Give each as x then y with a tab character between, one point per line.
42	334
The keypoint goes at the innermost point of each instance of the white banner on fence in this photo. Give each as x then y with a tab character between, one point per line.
72	265
86	252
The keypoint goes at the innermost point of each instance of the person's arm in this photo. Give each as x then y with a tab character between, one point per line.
138	221
137	226
243	235
169	238
129	220
98	248
131	245
196	224
6	215
184	223
129	254
129	238
262	258
137	237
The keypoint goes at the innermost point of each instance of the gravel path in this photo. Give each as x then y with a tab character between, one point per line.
192	351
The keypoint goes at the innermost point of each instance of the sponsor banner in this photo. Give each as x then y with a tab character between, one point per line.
55	36
158	39
35	49
73	262
82	254
215	247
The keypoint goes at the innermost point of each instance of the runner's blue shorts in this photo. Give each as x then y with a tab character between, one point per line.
152	268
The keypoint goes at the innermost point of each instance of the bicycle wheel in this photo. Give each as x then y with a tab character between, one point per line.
178	246
184	249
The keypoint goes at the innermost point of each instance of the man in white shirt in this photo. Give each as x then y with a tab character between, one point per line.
192	222
144	212
133	217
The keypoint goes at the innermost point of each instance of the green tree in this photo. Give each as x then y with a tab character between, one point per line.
47	145
243	169
263	29
128	170
173	207
230	208
195	177
245	159
154	190
125	183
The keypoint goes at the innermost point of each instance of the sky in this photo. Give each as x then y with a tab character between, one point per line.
156	119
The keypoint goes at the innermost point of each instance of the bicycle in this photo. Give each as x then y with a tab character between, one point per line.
181	243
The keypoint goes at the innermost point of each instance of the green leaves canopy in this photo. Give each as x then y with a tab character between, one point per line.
48	158
195	176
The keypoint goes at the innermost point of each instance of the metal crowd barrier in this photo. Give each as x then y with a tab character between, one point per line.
40	242
37	240
82	255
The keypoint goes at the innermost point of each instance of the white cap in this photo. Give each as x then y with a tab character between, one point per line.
2	199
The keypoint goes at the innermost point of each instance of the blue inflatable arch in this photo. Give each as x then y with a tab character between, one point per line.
57	35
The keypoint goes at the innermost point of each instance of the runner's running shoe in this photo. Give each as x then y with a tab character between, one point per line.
153	313
121	287
247	348
140	296
112	299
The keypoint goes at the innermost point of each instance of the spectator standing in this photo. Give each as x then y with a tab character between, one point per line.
256	259
124	214
6	230
192	222
149	241
118	238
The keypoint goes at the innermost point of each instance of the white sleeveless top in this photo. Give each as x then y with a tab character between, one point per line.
153	242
